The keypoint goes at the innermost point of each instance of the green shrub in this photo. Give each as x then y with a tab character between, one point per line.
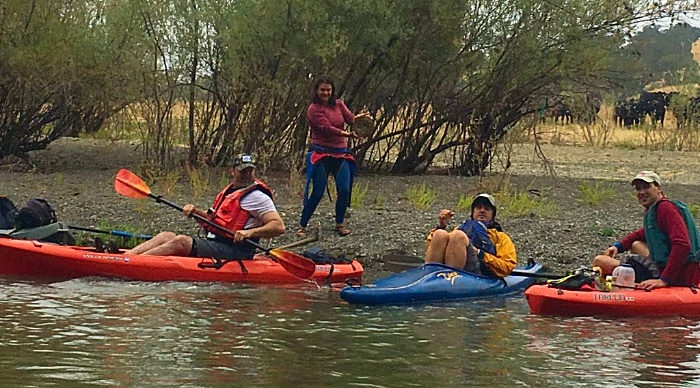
594	194
358	195
58	179
607	232
166	184
464	203
516	204
421	197
199	181
694	209
225	178
379	201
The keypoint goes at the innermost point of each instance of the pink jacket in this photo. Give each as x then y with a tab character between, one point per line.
327	123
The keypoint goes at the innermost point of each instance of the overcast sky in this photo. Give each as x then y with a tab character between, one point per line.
692	18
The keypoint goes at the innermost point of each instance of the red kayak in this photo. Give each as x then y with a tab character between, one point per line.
35	259
544	299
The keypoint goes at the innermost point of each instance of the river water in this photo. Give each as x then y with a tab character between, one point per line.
117	333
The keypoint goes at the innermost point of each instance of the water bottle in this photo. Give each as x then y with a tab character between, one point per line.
624	275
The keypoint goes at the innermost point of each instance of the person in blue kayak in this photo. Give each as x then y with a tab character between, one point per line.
666	250
244	207
478	245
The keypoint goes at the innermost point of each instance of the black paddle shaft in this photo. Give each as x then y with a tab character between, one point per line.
160	199
515	272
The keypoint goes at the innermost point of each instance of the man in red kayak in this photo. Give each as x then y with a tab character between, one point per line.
665	251
244	207
478	245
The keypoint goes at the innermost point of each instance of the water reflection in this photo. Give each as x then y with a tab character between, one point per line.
135	334
646	351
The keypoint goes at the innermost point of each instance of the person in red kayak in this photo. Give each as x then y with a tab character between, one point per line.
478	245
328	153
665	250
244	207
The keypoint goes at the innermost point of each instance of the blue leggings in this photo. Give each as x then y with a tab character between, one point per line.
319	179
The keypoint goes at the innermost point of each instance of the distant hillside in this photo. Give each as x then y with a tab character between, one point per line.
664	54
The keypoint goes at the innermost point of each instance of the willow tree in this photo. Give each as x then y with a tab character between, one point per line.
472	70
442	77
64	67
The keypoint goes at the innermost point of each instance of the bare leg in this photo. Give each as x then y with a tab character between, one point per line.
606	263
436	250
456	252
640	248
160	238
180	245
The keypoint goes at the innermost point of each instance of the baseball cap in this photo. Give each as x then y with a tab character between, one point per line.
484	198
647	176
243	161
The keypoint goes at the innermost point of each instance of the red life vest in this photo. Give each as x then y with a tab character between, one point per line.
227	211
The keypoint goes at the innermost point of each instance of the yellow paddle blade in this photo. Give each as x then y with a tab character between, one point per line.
130	185
297	265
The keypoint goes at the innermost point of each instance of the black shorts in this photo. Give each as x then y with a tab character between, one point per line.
221	249
644	266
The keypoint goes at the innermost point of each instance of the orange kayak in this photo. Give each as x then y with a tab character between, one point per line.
35	259
544	299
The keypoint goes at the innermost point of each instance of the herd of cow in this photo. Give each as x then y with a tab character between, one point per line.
633	111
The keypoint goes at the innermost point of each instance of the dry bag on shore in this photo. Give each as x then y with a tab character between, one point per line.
37	212
319	256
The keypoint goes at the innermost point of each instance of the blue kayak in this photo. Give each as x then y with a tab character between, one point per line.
436	283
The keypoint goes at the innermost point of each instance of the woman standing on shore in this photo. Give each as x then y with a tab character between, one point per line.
328	153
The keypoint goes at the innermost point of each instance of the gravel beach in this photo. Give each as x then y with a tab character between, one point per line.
76	177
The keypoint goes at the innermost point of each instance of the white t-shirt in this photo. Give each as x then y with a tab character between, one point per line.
256	203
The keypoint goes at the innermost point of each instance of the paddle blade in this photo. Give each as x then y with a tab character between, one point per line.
130	185
400	262
297	265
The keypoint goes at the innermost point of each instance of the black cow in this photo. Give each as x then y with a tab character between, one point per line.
627	112
634	111
654	105
562	112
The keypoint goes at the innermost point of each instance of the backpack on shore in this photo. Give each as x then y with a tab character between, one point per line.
37	212
8	213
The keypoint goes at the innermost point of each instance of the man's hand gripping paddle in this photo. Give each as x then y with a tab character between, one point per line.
130	185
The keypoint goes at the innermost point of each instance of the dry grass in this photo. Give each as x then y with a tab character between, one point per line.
605	133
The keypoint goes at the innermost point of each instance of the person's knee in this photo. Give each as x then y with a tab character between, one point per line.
182	242
599	260
458	237
316	197
606	263
317	194
165	235
440	235
639	248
